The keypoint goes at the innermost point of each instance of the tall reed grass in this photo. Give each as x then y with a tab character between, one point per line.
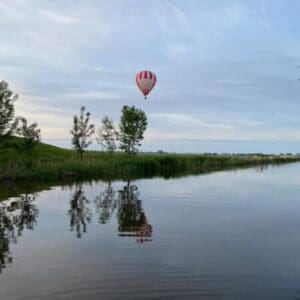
117	166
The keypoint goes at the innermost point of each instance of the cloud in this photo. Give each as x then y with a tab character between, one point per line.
265	136
226	69
188	120
264	16
6	10
183	18
184	127
92	95
185	120
56	17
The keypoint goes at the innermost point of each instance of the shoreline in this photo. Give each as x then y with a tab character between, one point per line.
96	165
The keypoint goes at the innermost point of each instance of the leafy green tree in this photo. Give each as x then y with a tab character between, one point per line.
8	122
82	131
31	135
133	124
107	135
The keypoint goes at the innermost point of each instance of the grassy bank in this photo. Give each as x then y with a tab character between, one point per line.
53	163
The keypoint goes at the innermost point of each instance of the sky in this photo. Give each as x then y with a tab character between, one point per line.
227	71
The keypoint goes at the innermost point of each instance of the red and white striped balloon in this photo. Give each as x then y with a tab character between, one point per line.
145	81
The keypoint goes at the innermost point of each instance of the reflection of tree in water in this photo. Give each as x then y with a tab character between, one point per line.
15	216
131	217
106	204
262	168
130	214
80	214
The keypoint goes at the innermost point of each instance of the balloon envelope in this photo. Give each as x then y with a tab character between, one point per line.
145	81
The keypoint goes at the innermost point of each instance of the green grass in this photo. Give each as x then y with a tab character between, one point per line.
50	163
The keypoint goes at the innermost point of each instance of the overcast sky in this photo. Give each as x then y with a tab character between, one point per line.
227	70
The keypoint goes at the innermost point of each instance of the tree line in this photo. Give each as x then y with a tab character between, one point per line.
127	137
133	123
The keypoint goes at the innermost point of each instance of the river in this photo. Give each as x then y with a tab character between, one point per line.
223	235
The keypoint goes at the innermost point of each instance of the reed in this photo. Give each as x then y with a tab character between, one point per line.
49	163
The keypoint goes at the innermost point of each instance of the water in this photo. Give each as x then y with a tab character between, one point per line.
225	235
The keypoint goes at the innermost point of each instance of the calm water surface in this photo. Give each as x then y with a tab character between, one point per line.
225	235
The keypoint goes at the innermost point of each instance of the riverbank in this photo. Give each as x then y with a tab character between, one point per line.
52	163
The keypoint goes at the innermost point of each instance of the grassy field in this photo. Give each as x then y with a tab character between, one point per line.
50	163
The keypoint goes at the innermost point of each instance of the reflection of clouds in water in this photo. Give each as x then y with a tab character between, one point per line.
15	216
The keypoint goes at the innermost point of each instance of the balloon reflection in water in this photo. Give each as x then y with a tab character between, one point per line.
15	215
132	221
131	216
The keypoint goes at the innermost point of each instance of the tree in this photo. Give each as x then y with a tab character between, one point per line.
8	122
107	135
82	131
31	135
133	124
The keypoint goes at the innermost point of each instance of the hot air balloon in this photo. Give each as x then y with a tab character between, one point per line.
145	81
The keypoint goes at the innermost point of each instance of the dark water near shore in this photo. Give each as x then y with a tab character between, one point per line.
225	235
